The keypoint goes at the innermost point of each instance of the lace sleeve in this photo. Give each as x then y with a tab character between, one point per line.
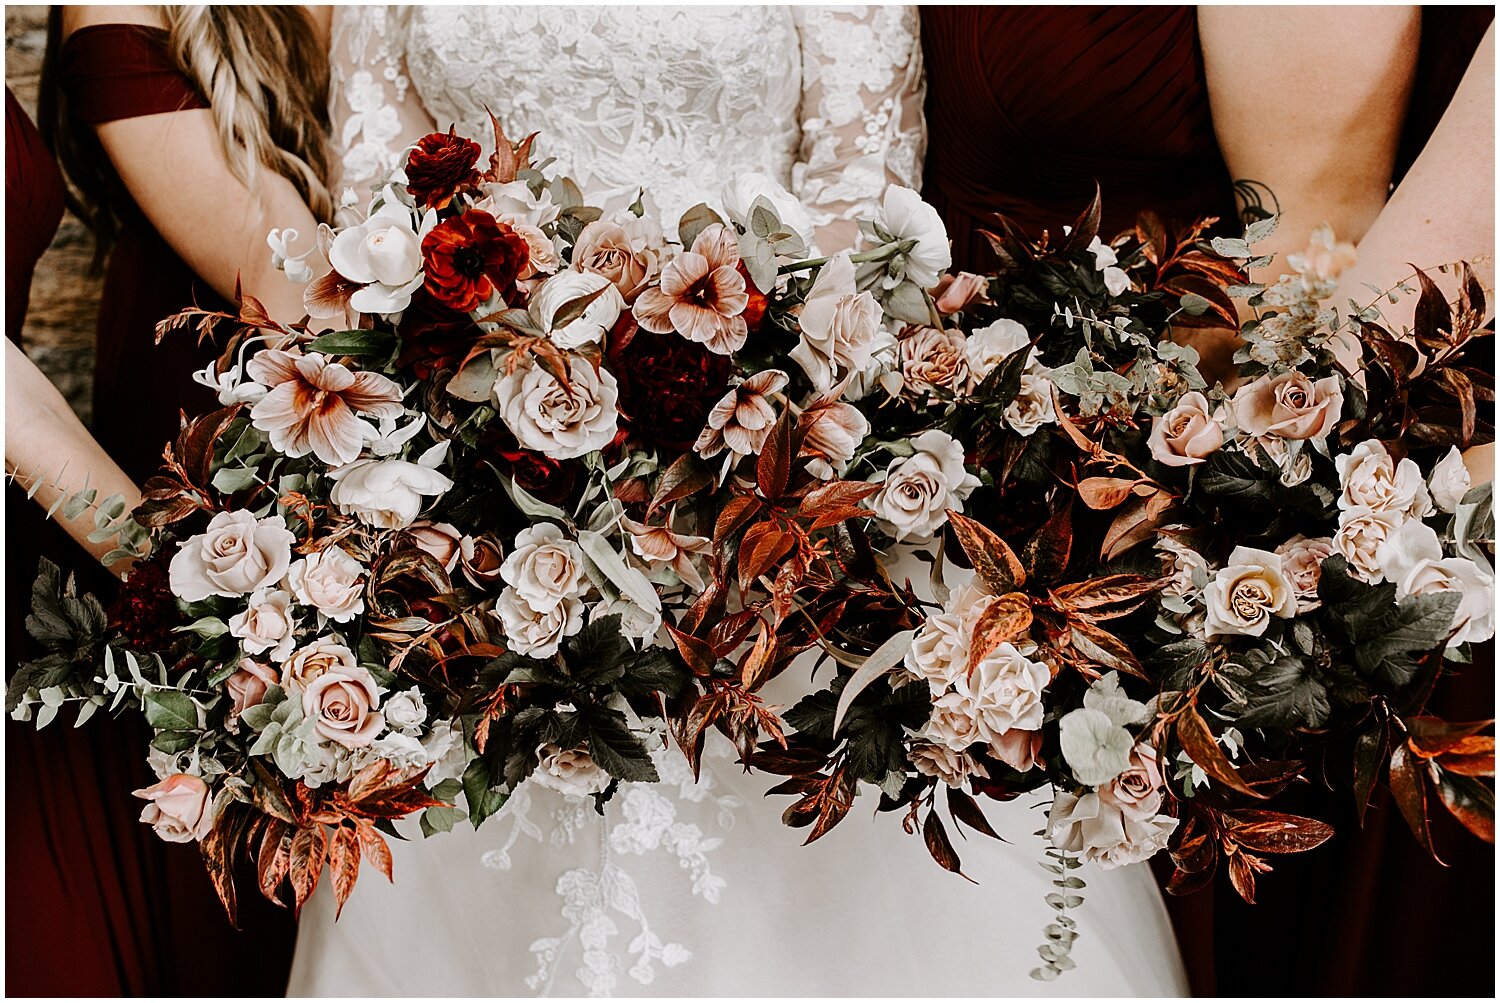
862	123
374	112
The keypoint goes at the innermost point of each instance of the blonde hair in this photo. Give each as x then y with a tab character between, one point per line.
264	72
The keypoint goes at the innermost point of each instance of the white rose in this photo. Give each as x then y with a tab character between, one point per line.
1302	560
885	360
1412	543
905	216
1006	688
541	253
330	581
515	200
951	767
919	489
839	326
742	190
1474	620
1449	481
596	320
546	417
384	255
1182	565
1245	593
402	751
538	634
544	567
952	723
236	555
635	623
1032	407
446	751
266	625
1370	478
1103	833
989	346
939	652
386	494
1360	535
405	712
569	771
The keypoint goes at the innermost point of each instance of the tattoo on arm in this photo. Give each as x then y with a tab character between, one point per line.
1255	199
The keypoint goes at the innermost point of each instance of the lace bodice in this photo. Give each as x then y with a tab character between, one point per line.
828	101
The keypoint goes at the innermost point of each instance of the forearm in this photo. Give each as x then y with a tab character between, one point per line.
47	448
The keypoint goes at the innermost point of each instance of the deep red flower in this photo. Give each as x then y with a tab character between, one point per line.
434	337
471	257
540	476
144	609
441	164
667	384
755	302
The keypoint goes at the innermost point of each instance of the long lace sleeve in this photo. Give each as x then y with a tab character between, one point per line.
862	123
374	111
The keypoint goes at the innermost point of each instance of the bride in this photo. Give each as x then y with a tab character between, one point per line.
691	888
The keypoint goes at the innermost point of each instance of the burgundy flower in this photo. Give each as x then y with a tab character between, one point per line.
471	257
540	476
667	384
144	609
441	164
434	337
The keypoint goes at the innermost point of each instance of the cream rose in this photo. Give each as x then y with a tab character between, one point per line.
247	686
541	253
1187	434
987	347
906	217
344	704
1474	620
627	251
1360	535
544	568
1006	688
405	712
952	767
267	624
569	771
1137	792
839	326
533	632
1290	406
237	555
952	722
1449	481
1182	566
1246	593
1103	833
1302	560
1033	406
1369	477
919	489
386	494
934	360
556	422
940	650
307	663
481	557
331	582
589	327
178	808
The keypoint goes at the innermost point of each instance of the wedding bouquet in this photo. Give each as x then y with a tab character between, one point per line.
1183	597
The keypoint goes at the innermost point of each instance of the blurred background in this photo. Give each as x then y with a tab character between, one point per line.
59	331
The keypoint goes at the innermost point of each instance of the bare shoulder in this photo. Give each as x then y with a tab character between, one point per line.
81	16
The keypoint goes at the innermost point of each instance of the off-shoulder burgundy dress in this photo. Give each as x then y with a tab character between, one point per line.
1027	108
96	904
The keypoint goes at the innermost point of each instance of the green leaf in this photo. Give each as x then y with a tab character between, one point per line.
169	710
631	583
365	342
695	221
231	480
174	741
1388	646
440	818
483	802
616	749
1284	694
1194	305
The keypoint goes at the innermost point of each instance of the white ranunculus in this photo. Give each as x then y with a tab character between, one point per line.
919	489
405	712
1369	477
742	190
515	199
593	324
384	255
547	417
905	216
635	623
544	567
267	624
538	634
236	555
1033	406
839	326
1103	833
1360	535
1243	596
569	771
1449	481
331	581
386	494
989	346
1474	620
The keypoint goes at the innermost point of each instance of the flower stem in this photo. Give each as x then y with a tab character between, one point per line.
874	254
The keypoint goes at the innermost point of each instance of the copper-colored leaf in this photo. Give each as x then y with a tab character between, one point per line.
1276	832
939	845
1431	736
1007	618
1101	647
773	467
274	858
375	849
309	848
1198	742
218	850
694	650
763	545
685	476
1242	872
736	512
966	810
1045	555
1107	597
993	560
836	494
757	663
1105	492
1409	788
343	863
1470	801
1134	524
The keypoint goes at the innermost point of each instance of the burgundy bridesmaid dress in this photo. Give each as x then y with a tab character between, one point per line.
1027	108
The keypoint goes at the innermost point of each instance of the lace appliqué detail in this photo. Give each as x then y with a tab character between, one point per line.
643	819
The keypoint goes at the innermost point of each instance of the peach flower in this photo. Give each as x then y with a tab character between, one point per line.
1290	406
934	360
627	252
178	808
702	294
313	660
660	545
1187	434
833	431
313	405
247	687
344	706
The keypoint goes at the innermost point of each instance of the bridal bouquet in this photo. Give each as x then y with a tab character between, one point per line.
429	553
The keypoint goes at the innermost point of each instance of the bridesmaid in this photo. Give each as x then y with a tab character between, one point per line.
1162	106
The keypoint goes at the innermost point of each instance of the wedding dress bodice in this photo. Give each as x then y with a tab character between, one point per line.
825	100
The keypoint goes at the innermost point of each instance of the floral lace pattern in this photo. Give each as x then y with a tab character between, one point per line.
596	900
826	100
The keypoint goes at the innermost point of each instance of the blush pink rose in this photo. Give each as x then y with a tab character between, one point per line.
1290	406
441	540
344	704
177	808
1187	434
954	292
247	687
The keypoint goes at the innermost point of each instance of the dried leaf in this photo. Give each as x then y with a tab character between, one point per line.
1104	493
1101	647
966	810
375	849
1107	597
1045	556
1008	618
684	477
764	544
309	848
1431	736
939	845
343	862
1198	742
274	858
737	511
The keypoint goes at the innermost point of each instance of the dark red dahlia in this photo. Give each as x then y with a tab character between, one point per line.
434	337
540	476
667	384
439	166
471	257
144	609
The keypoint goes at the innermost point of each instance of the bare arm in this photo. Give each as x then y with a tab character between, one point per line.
45	442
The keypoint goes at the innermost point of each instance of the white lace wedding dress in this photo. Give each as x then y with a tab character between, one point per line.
692	888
